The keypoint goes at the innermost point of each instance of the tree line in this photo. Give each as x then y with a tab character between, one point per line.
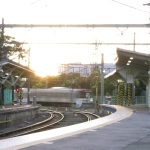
76	80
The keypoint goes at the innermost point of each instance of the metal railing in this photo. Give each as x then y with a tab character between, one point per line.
138	100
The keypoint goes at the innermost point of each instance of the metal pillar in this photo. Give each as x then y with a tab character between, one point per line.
72	99
20	96
46	80
119	97
134	43
149	92
102	78
2	92
116	94
121	94
125	95
133	91
28	93
12	95
129	94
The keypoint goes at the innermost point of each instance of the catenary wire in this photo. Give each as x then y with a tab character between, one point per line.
130	6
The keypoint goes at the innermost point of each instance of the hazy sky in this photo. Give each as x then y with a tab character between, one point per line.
75	12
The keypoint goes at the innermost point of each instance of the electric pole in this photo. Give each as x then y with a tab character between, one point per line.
102	78
2	41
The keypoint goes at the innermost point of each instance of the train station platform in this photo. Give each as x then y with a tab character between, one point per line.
126	129
10	115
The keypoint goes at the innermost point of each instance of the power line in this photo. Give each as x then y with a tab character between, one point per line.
34	2
130	6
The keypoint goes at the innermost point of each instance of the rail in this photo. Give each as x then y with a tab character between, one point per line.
34	127
89	115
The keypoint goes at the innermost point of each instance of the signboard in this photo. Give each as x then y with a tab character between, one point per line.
129	78
78	103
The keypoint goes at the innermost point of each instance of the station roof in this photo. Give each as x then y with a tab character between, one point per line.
8	65
139	60
130	59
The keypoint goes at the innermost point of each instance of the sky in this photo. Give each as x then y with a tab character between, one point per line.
46	56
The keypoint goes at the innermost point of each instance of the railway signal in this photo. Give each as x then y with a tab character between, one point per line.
17	89
21	96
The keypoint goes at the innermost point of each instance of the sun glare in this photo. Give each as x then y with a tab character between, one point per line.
44	60
42	70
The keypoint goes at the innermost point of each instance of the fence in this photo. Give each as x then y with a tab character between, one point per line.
138	100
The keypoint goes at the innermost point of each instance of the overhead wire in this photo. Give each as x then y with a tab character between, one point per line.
130	6
34	2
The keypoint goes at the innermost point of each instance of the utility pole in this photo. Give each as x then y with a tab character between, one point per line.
46	82
2	35
1	58
134	43
102	78
2	42
29	58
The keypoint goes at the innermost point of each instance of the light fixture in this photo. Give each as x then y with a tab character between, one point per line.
129	61
131	57
120	81
23	79
7	74
128	64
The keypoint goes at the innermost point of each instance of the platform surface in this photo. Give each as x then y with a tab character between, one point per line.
123	130
16	107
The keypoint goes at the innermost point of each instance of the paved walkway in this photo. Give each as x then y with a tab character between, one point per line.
131	133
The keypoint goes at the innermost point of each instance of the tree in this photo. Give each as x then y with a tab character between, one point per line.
38	85
139	87
108	87
12	47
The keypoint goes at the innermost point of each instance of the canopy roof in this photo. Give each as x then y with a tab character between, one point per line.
12	72
128	60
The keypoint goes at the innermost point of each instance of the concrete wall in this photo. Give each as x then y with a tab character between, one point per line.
16	115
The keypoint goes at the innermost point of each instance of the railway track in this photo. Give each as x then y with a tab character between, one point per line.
54	121
54	118
88	115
